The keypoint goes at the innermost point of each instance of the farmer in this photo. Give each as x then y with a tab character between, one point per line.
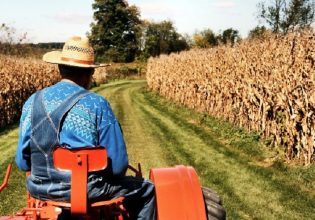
67	114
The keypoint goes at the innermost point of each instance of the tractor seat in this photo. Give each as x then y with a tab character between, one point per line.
79	162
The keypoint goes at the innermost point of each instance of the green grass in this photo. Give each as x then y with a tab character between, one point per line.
13	197
252	180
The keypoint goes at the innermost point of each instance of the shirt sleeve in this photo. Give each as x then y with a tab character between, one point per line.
23	153
111	137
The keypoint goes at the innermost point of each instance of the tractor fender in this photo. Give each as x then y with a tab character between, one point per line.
178	193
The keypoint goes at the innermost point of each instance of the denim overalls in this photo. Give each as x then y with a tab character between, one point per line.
45	182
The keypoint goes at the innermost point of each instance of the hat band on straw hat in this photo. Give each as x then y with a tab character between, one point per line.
77	51
77	61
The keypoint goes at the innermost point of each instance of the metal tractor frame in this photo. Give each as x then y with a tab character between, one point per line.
179	194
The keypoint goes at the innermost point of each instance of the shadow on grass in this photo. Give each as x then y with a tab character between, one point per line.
7	129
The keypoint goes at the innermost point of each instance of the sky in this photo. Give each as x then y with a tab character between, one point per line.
57	20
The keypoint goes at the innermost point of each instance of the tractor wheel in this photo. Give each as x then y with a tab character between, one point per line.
213	205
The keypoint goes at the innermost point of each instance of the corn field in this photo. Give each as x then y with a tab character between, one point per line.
19	79
22	77
264	85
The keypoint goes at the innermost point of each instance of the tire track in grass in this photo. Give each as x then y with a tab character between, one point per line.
271	196
142	147
182	156
178	155
180	146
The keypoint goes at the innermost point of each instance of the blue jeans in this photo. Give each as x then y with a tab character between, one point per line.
139	196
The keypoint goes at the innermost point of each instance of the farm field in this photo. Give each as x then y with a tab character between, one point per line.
253	183
263	85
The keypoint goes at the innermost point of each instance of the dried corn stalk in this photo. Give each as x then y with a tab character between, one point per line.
19	79
265	85
22	77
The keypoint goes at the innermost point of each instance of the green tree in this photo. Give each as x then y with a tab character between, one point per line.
115	32
299	14
161	38
272	14
257	32
229	36
189	40
205	38
287	15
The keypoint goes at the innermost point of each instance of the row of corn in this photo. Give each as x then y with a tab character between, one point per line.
20	78
264	85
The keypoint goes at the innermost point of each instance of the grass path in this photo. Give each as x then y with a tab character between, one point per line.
252	183
142	147
13	197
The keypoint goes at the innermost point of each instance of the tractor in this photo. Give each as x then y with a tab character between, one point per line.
179	195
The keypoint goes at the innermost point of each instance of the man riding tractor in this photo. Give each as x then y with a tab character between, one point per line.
68	115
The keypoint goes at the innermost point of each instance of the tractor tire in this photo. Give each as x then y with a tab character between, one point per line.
213	204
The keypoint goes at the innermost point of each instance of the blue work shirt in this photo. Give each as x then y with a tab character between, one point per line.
91	122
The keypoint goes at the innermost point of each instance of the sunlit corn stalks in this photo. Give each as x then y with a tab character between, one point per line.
19	79
264	85
100	76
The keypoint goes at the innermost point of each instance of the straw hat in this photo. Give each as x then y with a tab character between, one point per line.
77	51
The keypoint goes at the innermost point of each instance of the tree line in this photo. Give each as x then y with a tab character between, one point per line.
16	44
118	34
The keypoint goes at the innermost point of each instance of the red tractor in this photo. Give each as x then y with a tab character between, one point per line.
178	193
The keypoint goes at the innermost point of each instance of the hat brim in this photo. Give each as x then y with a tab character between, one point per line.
55	58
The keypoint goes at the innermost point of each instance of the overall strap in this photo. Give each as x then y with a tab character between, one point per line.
39	113
58	114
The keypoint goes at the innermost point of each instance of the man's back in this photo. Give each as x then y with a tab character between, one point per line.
85	125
